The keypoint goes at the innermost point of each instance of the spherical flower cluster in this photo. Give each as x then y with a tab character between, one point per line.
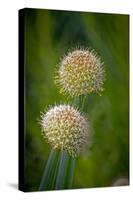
65	128
80	72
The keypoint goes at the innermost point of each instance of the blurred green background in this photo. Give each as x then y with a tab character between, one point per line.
48	36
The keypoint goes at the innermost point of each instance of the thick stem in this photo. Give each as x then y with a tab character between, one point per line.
49	171
61	170
69	173
83	102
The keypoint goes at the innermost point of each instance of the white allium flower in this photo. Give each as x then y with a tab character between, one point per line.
65	128
80	72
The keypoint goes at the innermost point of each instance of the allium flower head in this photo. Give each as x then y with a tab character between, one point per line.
65	128
80	72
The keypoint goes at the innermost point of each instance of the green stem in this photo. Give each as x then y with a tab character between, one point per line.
69	173
49	171
61	170
83	102
55	174
76	101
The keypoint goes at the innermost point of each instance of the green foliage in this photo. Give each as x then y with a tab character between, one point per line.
49	35
58	172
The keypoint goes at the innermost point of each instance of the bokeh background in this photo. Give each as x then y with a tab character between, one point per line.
48	36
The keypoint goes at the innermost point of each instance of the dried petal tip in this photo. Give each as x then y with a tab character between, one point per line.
80	72
66	129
